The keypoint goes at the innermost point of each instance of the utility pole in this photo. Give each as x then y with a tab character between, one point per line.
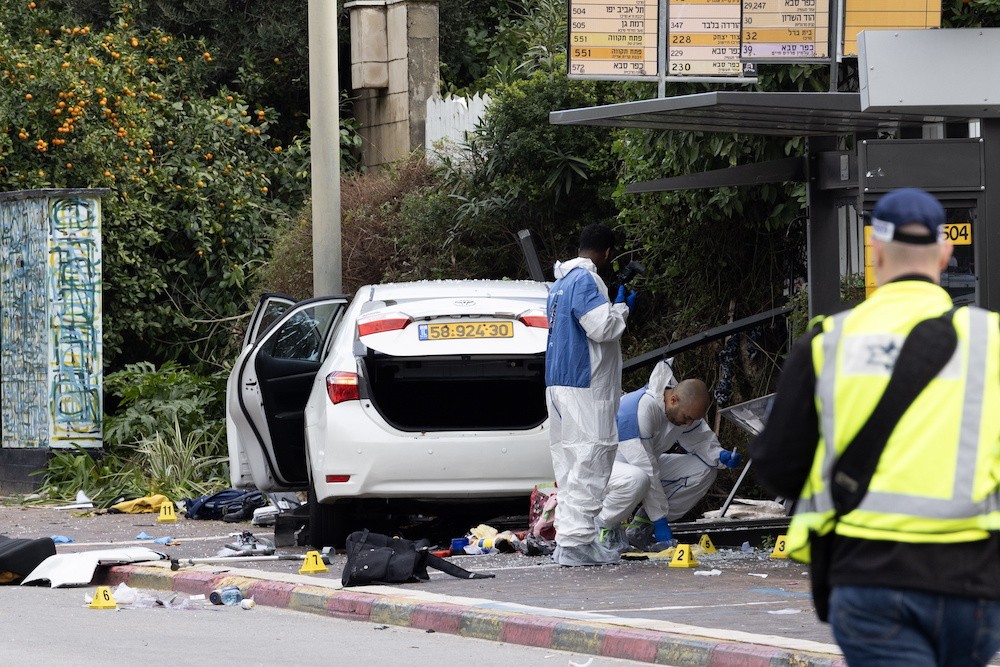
324	119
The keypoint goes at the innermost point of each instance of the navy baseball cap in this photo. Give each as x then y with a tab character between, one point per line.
908	206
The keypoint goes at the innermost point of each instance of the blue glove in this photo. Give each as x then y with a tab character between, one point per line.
621	295
630	299
729	459
661	530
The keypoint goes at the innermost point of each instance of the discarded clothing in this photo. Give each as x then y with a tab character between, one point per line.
77	569
141	505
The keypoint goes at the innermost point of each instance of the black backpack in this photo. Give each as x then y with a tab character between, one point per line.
373	558
231	505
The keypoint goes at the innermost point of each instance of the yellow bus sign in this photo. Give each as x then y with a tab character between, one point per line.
959	233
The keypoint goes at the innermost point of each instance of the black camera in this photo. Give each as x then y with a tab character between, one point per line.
633	269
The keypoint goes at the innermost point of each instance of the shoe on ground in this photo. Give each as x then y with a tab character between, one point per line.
613	539
579	555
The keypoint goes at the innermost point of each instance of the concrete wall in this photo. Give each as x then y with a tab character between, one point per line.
392	96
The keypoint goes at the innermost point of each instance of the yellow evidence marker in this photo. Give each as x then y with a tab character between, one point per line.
780	547
167	514
706	544
313	564
683	557
103	599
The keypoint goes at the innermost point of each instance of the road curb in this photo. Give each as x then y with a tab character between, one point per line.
553	632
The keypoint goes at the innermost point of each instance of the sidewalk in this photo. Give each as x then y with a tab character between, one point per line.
643	611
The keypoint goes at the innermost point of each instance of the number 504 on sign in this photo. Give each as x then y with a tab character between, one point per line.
959	233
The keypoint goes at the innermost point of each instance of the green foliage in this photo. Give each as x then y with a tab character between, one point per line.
182	466
485	44
167	436
151	401
197	181
259	43
103	479
516	171
376	245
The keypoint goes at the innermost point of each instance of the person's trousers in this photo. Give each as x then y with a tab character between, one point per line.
891	627
583	441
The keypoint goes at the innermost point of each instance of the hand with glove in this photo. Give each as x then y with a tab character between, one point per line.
627	300
661	530
730	459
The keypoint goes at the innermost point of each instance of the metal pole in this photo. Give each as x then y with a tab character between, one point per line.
324	119
663	9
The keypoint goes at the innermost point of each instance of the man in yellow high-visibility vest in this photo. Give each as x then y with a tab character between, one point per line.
914	569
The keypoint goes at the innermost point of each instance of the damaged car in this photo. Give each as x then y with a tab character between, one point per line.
409	394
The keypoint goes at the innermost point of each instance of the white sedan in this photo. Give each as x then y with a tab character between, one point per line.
422	392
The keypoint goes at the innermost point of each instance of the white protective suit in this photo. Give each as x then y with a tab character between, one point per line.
583	366
667	485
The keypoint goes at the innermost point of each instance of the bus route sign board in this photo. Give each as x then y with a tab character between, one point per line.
786	30
704	38
608	39
724	38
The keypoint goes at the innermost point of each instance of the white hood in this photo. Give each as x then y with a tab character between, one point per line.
661	378
562	268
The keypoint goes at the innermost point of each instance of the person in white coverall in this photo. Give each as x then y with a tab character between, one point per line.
583	366
667	457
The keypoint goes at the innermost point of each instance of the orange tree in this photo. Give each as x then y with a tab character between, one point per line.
197	183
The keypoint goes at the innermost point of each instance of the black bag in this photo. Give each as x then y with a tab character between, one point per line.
20	556
926	350
231	505
376	558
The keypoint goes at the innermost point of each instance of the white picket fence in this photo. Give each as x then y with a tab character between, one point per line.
448	121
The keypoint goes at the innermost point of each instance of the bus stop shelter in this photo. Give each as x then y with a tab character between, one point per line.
859	144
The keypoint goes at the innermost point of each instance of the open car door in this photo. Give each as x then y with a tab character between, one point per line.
267	393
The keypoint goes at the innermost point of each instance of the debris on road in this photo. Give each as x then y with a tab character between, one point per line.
77	569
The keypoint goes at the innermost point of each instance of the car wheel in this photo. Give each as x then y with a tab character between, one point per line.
328	523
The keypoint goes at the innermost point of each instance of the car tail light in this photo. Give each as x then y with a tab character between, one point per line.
336	479
383	322
534	318
342	386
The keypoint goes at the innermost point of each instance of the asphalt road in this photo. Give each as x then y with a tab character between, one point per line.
44	626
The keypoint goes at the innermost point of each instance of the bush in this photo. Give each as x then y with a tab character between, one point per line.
372	249
197	183
167	436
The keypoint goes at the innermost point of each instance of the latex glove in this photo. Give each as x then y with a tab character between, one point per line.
630	299
621	295
661	530
730	459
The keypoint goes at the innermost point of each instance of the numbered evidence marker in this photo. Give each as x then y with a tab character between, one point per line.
103	599
167	514
780	547
683	557
706	544
312	564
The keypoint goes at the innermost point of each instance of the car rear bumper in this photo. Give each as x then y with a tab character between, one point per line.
381	462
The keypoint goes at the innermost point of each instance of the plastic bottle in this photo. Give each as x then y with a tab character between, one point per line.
230	595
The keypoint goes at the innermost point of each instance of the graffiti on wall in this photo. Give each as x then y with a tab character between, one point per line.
50	322
74	289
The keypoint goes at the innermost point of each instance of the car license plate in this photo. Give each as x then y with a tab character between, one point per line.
458	330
